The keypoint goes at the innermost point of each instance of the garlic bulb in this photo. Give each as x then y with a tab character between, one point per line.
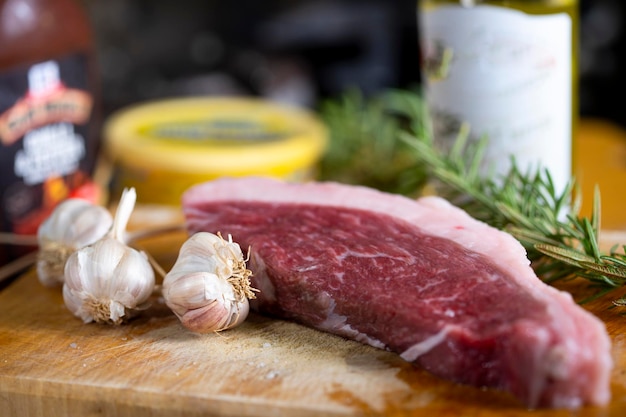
208	287
107	281
73	224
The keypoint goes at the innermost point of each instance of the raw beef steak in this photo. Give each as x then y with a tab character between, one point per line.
420	278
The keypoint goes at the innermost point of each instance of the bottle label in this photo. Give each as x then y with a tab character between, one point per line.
508	75
47	147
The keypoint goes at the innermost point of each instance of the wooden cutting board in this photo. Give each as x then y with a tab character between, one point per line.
51	364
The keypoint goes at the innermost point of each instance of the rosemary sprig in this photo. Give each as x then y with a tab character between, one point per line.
560	243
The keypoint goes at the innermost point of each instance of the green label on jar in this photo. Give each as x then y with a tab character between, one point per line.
228	131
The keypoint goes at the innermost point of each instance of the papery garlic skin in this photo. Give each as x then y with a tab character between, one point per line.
208	287
74	223
105	282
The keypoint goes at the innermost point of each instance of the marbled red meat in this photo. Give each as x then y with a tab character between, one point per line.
421	278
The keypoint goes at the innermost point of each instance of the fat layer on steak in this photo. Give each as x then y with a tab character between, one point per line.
418	277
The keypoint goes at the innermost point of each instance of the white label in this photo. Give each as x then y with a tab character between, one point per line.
43	78
53	150
507	74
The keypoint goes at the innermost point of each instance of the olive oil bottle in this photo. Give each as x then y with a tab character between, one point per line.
508	70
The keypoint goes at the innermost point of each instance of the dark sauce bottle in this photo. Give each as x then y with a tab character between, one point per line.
49	117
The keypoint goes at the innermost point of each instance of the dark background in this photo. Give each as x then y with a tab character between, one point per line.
304	51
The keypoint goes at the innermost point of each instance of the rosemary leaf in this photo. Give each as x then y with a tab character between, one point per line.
566	255
617	273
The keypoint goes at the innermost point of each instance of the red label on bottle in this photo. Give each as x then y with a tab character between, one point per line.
30	112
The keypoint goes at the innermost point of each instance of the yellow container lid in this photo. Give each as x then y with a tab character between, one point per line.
215	136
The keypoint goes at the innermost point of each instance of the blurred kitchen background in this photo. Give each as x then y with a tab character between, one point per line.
295	51
303	51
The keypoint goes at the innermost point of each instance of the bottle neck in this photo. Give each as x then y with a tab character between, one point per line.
36	30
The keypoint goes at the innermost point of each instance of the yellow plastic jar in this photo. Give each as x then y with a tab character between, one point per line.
163	147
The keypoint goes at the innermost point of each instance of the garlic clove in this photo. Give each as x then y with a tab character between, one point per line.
190	290
205	319
73	224
215	315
